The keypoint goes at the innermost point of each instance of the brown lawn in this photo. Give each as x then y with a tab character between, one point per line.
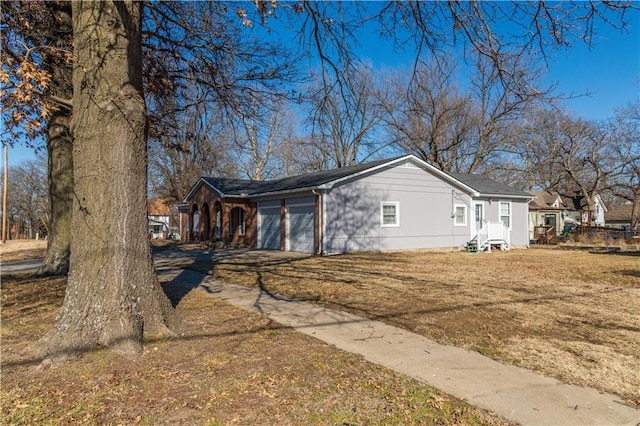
15	250
227	367
574	315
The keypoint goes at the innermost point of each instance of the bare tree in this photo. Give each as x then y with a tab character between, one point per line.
194	141
625	149
27	206
566	154
298	154
430	117
217	77
259	139
345	117
500	106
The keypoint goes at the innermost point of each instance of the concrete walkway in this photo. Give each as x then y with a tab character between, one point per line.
511	392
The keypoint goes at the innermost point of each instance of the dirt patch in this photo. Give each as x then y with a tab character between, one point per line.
571	315
228	367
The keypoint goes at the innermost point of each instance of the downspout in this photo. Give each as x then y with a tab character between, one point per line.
529	233
324	224
321	227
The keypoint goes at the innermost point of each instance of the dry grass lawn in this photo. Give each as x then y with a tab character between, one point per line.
574	315
228	367
16	250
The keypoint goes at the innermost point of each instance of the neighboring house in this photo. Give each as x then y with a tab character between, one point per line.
402	203
619	217
158	215
548	216
579	210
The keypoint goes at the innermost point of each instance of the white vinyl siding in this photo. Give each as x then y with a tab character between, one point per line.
389	213
460	215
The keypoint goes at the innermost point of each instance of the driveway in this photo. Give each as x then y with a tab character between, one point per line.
20	266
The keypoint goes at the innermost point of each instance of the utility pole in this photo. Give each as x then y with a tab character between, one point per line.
4	194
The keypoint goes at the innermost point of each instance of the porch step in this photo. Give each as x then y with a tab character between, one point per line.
472	246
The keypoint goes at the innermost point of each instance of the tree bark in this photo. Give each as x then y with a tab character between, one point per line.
60	180
635	212
112	293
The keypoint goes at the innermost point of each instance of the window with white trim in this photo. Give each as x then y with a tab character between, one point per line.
389	213
460	215
505	213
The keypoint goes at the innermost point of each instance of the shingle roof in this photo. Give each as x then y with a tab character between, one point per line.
240	187
544	200
620	213
488	186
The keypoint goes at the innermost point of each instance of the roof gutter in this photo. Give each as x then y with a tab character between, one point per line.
524	197
275	193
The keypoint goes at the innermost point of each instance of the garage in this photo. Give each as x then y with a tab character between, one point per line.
269	226
300	226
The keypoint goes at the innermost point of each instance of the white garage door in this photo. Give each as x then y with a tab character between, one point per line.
269	228
301	221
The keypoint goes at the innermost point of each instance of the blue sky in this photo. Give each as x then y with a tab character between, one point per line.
609	71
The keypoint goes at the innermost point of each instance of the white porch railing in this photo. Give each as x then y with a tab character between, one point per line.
493	233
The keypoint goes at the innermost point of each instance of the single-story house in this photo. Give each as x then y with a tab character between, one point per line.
400	203
158	216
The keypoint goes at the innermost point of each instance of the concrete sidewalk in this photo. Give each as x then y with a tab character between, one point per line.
511	392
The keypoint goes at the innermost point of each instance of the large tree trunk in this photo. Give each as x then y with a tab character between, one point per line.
112	291
635	212
59	144
60	179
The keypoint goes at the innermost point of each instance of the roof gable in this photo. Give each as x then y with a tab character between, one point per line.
547	200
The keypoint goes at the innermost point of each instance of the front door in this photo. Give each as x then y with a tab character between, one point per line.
478	222
550	220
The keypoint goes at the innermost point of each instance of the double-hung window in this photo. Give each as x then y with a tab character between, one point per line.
390	213
505	213
460	215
